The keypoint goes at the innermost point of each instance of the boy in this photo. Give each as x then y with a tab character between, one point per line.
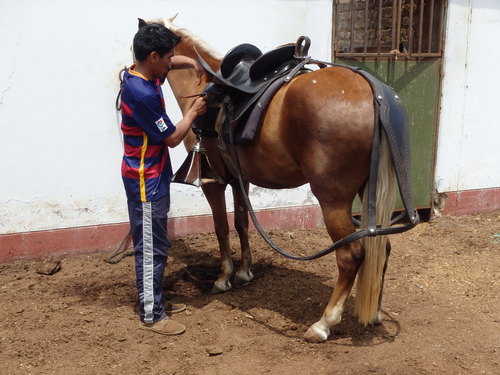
146	168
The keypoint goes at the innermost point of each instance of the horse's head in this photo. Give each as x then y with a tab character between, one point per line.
189	43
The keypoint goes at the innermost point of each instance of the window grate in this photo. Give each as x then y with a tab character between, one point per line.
388	28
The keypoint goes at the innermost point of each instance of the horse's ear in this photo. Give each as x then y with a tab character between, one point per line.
142	23
170	20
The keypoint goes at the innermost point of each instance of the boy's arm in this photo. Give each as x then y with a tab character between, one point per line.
184	62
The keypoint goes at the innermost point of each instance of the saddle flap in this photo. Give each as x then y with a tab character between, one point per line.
394	121
238	77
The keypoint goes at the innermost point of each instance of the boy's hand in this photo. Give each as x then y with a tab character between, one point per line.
199	106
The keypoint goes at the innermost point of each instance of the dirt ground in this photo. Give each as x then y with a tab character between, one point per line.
441	311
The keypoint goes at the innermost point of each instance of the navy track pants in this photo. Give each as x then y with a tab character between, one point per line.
148	224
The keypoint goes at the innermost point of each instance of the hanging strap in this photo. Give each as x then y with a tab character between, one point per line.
118	103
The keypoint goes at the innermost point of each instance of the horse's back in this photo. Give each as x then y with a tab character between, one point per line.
332	95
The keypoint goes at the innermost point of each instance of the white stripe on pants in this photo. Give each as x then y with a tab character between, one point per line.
147	248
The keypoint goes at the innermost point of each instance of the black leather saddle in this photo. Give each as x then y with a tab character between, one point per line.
246	69
244	86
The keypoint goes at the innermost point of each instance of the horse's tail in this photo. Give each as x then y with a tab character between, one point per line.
370	275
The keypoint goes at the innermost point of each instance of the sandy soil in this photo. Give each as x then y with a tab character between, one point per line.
441	311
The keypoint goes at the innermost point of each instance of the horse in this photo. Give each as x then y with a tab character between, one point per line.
317	129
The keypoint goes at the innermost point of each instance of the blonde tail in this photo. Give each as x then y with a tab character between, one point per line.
370	274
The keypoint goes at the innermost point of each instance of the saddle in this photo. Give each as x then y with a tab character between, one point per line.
243	87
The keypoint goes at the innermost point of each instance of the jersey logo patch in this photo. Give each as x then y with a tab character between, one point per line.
161	124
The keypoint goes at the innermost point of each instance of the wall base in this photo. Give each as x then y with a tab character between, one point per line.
472	201
57	242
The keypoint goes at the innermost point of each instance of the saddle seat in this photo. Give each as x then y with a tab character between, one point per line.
246	69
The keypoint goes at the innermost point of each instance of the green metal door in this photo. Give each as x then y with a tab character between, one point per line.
399	42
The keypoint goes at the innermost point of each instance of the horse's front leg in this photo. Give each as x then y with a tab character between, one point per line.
349	259
244	274
216	199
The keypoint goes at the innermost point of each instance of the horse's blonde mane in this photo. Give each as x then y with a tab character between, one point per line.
200	44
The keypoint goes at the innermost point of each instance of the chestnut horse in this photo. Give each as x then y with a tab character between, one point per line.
318	129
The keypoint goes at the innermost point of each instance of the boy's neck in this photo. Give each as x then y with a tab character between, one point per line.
142	69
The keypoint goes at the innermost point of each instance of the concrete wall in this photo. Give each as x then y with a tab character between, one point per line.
60	144
60	148
469	127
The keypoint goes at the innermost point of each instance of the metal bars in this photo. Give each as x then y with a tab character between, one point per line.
384	28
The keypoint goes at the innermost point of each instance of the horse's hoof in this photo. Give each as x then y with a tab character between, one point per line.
221	286
378	319
316	334
243	277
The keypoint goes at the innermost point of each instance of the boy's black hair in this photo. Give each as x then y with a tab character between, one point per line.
154	37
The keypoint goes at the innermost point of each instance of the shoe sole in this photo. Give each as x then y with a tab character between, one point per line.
175	311
180	331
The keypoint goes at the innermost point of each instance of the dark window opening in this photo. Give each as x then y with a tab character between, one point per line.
384	28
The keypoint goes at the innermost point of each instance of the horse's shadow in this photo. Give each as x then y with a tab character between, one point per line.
298	296
281	298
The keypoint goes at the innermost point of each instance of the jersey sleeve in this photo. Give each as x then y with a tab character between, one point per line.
153	120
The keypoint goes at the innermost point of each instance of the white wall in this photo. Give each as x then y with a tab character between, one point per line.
60	144
469	130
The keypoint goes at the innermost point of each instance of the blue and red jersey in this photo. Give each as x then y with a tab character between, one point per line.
146	167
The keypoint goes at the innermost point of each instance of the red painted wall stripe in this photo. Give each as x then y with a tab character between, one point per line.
90	239
472	201
31	245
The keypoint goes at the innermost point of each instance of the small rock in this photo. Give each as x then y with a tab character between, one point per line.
49	267
214	350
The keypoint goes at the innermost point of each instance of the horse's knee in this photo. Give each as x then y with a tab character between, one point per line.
240	219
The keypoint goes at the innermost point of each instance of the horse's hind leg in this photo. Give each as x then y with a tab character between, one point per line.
244	274
349	258
216	198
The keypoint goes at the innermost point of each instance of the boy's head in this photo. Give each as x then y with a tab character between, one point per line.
153	45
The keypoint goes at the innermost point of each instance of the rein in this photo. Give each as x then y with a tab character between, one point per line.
118	104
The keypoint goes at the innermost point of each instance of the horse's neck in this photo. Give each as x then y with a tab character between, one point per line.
184	82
